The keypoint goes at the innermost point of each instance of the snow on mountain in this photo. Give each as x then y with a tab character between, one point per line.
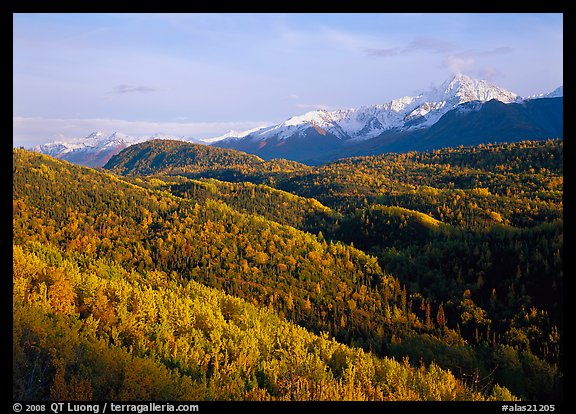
468	89
231	135
93	150
406	113
96	149
556	93
94	142
345	126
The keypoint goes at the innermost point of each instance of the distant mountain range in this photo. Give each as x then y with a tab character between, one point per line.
93	150
461	111
97	148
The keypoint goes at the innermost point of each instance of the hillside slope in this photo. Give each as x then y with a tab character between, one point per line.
469	216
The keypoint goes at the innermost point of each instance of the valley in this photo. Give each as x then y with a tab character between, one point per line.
197	272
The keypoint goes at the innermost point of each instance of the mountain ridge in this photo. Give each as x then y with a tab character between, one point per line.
408	112
321	136
97	148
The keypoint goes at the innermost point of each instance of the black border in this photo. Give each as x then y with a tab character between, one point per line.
318	6
278	6
316	407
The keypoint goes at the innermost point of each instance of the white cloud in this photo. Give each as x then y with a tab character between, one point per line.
464	62
420	44
489	73
392	51
458	64
120	89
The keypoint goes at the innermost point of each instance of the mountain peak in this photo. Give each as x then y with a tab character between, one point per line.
466	89
96	135
458	82
232	134
461	78
118	135
328	127
556	93
350	126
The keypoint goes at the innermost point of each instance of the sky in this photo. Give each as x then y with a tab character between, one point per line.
201	75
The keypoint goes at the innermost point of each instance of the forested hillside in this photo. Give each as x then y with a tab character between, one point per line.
87	328
180	157
421	265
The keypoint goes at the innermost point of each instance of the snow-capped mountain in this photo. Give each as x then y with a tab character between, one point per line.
96	140
93	150
232	134
97	148
556	93
400	124
320	135
409	112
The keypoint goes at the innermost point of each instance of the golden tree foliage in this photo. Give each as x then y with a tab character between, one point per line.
186	342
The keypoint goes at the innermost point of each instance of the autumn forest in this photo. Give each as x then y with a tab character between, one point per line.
188	272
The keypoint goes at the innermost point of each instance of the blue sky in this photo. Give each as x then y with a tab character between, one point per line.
200	75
